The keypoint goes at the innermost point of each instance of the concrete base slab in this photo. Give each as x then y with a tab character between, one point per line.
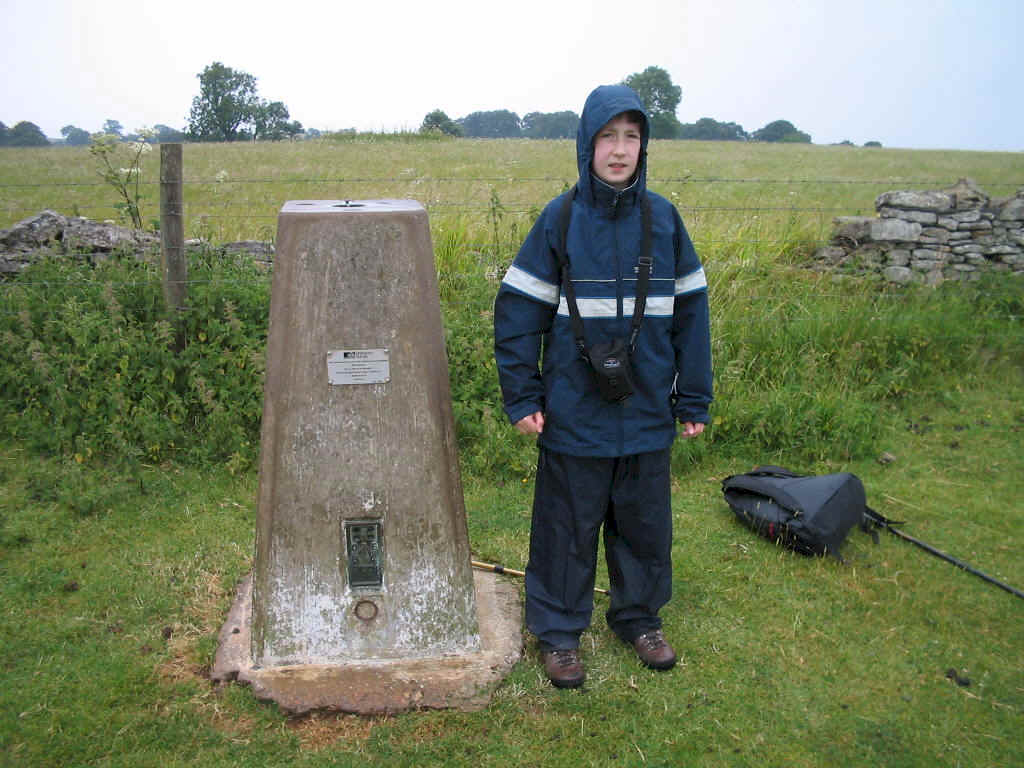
371	686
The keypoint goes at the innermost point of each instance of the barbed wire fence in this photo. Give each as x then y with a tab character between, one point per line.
178	194
255	209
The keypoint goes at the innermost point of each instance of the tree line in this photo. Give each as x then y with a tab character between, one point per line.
229	108
23	134
26	134
660	96
503	124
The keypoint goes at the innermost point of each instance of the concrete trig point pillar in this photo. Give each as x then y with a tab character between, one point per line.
363	597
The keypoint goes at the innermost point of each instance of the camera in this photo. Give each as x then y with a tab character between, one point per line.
613	370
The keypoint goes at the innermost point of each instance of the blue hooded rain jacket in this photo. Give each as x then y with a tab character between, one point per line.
672	357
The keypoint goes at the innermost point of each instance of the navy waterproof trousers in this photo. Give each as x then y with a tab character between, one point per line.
573	498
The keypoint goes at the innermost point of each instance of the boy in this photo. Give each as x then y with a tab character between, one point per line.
602	462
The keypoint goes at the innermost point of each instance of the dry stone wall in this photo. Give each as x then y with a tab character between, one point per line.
928	237
52	233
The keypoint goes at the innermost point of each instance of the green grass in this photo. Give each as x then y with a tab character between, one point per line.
124	532
111	613
460	178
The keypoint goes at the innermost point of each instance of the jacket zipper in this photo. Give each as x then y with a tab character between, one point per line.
619	291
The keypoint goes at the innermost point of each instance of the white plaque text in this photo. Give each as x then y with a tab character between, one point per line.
358	366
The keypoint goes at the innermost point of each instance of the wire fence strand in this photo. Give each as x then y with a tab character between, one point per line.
227	200
518	180
261	209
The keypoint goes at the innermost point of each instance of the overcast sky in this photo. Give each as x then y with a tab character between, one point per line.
910	73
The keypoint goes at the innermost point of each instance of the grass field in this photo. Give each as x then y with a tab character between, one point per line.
459	180
117	569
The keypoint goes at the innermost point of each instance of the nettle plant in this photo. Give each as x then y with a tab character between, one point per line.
92	366
120	166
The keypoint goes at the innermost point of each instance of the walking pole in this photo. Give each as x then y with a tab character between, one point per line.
887	524
502	569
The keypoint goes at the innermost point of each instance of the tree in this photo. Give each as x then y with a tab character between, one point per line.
708	129
796	137
550	125
26	134
781	131
665	126
440	122
270	122
4	133
228	108
163	134
874	144
227	101
113	127
655	88
495	124
74	137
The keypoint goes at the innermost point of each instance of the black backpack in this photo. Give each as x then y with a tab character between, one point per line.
810	514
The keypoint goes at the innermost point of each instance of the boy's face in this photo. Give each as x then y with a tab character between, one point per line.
617	151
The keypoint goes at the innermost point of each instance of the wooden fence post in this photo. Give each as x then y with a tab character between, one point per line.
172	227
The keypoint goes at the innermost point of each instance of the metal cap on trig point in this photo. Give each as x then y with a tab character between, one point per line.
363	596
349	206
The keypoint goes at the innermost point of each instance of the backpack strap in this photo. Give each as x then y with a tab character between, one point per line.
564	216
643	275
763	487
770	470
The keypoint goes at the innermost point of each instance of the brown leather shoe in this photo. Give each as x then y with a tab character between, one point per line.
653	651
563	667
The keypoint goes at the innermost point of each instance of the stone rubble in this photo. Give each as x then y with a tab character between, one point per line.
931	236
49	232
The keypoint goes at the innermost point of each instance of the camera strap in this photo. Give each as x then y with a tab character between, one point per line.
643	275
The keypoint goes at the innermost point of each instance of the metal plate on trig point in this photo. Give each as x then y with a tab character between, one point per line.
358	366
363	545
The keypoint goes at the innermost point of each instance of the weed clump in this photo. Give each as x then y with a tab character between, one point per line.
92	364
807	369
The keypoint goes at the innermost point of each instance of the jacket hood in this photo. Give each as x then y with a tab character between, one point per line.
604	103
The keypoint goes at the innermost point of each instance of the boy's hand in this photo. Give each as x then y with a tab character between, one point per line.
532	424
692	428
